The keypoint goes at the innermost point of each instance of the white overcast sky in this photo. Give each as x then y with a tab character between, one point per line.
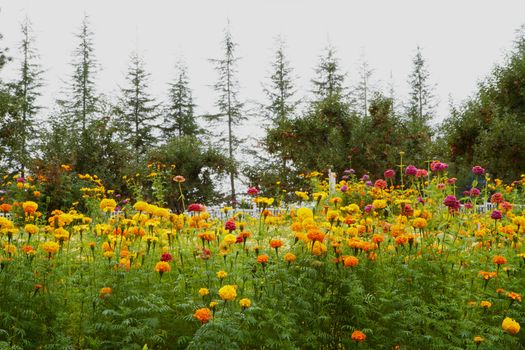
461	40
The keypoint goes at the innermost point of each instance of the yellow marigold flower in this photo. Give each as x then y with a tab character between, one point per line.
228	293
419	223
304	213
510	326
222	275
379	204
10	249
230	239
519	221
318	248
478	340
141	206
485	304
204	292
213	304
108	205
302	195
245	303
29	207
105	292
31	229
51	247
204	315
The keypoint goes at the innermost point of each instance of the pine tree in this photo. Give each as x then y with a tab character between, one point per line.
80	105
26	93
280	109
281	90
329	81
363	86
419	112
230	109
421	105
180	119
137	110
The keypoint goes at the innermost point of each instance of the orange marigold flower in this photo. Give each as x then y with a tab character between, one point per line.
162	266
262	259
204	315
350	261
29	207
378	239
358	336
487	275
5	208
315	235
276	243
105	292
289	257
499	260
514	296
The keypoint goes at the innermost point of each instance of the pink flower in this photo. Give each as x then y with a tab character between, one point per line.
437	166
452	180
380	183
196	207
421	173
497	198
452	203
390	173
344	188
477	170
474	192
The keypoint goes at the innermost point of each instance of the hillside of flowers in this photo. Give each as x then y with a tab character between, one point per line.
406	261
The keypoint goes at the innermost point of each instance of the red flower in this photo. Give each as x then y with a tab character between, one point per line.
253	191
230	225
166	257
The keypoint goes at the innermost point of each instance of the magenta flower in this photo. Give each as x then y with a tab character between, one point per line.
474	192
344	188
496	215
477	170
253	191
411	170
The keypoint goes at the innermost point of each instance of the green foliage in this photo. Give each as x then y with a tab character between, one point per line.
200	164
488	129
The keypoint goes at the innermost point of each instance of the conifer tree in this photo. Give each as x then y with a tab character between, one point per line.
80	105
137	110
280	109
230	109
180	119
362	90
26	93
420	111
329	80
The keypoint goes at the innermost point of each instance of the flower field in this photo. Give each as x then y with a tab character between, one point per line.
408	261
